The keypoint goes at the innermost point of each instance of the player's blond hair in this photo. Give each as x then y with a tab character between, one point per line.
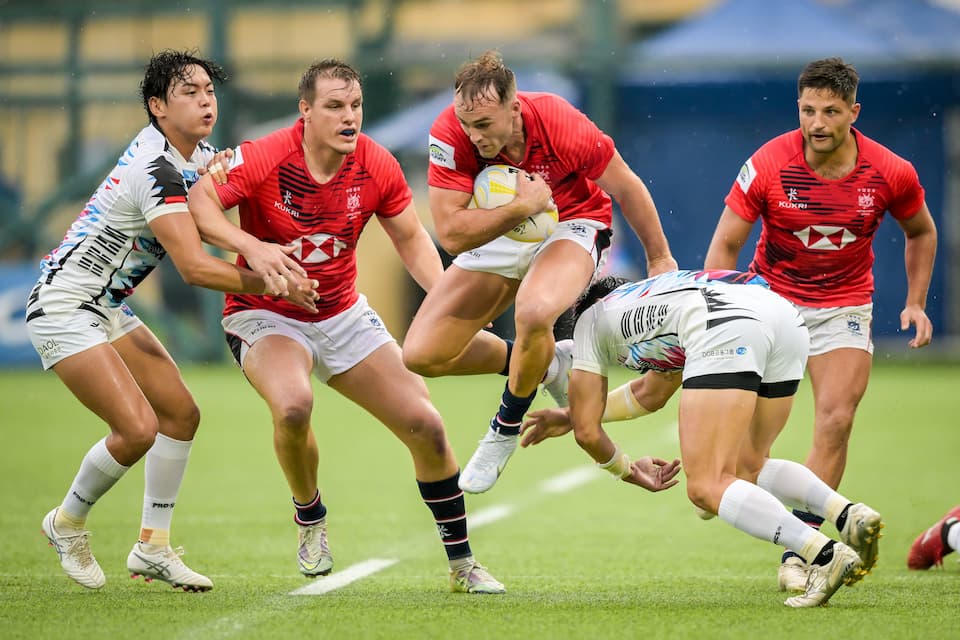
486	77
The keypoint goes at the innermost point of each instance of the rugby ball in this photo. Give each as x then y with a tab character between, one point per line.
495	186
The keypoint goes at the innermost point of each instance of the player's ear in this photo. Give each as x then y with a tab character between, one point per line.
855	109
305	108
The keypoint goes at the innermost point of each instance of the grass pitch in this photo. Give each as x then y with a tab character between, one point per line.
581	555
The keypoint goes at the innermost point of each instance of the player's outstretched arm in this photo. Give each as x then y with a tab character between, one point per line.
728	238
179	236
270	260
414	246
636	203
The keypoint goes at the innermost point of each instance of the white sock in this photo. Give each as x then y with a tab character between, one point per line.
953	537
754	511
98	472
793	484
166	463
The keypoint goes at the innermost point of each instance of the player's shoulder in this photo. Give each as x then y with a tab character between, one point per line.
546	105
782	148
877	153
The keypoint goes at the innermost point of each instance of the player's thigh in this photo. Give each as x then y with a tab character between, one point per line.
279	368
100	379
556	278
769	418
157	375
459	305
712	424
839	378
389	392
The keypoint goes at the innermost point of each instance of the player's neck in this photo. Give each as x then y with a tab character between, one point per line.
836	164
322	162
516	147
183	144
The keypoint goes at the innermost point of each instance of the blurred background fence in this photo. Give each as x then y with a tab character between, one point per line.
687	88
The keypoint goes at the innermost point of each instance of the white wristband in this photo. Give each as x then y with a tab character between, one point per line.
618	465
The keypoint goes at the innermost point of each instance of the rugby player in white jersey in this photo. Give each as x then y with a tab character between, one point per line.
741	349
84	331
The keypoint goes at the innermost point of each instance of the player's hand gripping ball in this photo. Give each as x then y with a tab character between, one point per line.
495	186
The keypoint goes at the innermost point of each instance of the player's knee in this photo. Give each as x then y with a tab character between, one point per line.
293	414
424	433
532	316
139	435
701	493
421	362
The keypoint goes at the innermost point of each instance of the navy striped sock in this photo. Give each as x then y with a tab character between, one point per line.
445	500
510	415
310	513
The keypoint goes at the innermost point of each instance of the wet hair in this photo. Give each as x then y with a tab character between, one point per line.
167	68
594	292
326	68
833	75
485	77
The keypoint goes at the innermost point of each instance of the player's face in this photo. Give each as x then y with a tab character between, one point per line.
489	124
189	112
825	119
334	118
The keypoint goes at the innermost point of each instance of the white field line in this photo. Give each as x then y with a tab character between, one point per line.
340	579
490	514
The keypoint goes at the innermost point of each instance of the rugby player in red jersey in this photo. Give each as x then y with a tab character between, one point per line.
314	186
563	155
821	192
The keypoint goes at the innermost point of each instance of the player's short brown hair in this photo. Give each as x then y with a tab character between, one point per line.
832	74
326	68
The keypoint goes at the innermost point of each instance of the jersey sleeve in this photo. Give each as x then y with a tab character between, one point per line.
395	193
157	187
452	164
747	196
249	167
588	351
908	192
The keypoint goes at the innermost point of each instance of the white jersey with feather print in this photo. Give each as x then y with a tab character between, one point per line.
109	249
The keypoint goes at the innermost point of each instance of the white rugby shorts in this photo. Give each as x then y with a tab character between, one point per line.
336	344
512	258
59	328
775	348
839	327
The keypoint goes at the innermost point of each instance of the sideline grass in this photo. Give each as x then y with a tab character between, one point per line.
600	560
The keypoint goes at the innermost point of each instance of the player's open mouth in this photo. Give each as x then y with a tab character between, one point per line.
348	133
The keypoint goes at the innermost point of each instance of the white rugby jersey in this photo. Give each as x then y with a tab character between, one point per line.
109	249
638	325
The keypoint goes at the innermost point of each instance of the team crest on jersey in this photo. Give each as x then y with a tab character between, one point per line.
441	153
747	175
353	201
865	200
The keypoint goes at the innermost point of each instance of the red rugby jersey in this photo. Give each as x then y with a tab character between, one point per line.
280	202
563	146
816	241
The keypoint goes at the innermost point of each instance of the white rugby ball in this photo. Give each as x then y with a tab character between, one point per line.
495	186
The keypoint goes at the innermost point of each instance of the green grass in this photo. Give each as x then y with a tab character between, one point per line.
599	560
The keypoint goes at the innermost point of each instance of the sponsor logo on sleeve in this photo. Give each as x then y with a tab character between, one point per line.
441	153
747	175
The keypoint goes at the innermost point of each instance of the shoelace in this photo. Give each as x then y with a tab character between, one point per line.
79	549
